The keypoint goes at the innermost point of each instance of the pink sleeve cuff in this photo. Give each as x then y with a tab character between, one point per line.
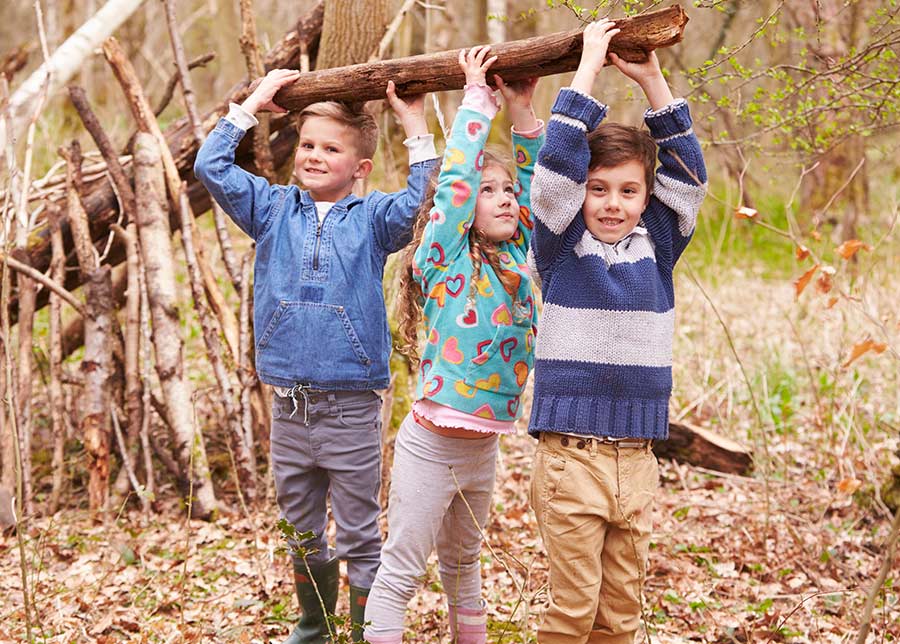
531	134
481	99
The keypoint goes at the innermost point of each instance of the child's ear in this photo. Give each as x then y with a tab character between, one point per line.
363	169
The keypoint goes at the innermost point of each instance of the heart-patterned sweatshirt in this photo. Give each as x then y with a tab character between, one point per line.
478	350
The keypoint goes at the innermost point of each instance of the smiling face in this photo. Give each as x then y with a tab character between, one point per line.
496	209
327	161
615	199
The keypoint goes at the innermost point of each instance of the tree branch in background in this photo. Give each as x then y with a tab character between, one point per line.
190	103
169	92
143	115
262	153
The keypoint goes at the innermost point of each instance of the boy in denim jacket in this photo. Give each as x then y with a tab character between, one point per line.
322	337
608	232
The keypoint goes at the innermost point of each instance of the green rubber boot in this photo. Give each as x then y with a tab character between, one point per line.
313	627
358	599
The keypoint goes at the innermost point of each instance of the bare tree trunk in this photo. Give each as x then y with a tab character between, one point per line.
143	115
190	103
262	153
97	368
133	385
57	398
245	364
147	373
97	364
214	351
351	31
496	27
24	375
156	251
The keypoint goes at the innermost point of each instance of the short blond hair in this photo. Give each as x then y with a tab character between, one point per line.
357	119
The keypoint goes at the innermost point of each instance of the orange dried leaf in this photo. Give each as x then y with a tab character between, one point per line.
824	283
745	213
831	302
849	486
803	281
850	247
802	252
861	348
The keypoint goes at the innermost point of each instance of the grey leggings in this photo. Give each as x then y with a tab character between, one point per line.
426	510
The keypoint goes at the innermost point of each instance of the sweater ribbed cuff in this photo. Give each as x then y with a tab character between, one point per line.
672	119
574	104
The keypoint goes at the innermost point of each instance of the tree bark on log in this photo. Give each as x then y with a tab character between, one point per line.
539	56
24	375
134	389
701	447
97	369
57	398
156	251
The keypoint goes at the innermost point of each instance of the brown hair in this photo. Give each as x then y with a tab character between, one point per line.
356	118
481	249
613	144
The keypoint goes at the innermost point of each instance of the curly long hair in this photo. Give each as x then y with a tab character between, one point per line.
481	249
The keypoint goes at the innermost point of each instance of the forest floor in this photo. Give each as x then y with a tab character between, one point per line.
788	554
732	560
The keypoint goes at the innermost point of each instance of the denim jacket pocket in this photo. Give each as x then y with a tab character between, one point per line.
503	364
318	336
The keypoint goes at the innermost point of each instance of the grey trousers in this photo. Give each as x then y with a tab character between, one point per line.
332	446
427	511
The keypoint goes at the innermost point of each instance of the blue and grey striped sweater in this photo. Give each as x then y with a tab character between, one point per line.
603	359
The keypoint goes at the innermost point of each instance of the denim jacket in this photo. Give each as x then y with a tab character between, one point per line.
319	315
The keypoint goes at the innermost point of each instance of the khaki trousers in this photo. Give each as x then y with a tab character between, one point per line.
593	506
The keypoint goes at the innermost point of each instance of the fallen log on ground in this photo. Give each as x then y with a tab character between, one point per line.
701	447
518	59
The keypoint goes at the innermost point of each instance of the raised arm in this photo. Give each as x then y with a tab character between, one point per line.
681	180
393	215
248	199
559	181
527	138
447	231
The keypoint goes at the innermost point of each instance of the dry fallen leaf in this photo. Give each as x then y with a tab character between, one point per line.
824	283
801	282
802	252
745	213
863	347
849	485
850	247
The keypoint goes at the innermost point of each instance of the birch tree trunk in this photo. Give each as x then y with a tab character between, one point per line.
156	251
66	61
97	370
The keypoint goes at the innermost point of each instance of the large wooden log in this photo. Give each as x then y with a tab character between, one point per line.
518	59
698	446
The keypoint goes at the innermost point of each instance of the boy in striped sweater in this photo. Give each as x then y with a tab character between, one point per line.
608	232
